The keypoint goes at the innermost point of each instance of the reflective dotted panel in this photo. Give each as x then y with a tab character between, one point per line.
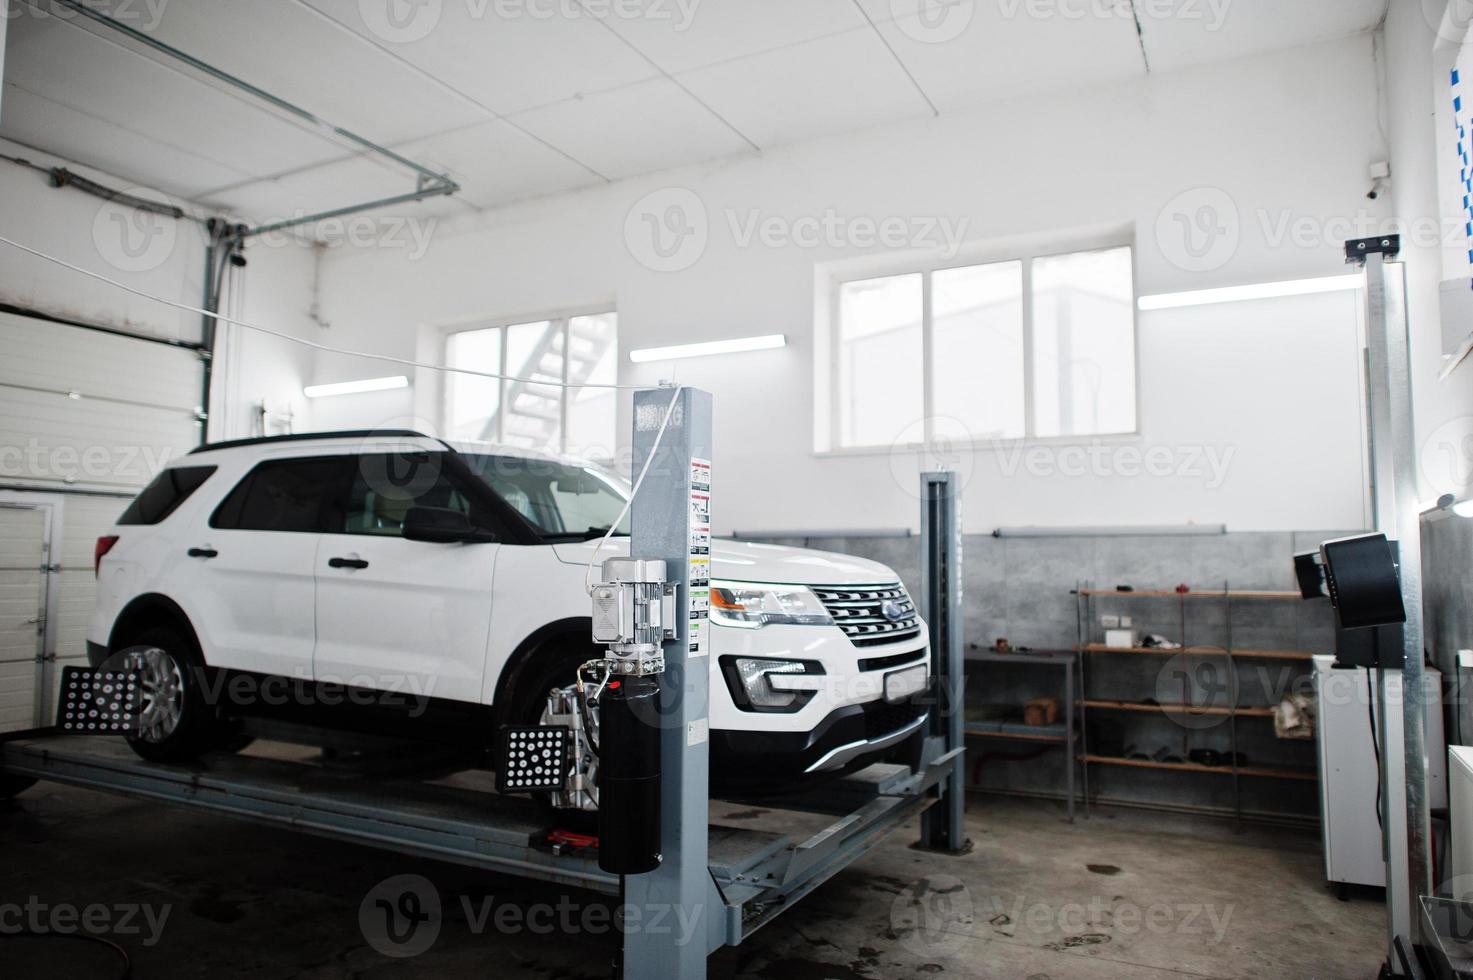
98	702
533	759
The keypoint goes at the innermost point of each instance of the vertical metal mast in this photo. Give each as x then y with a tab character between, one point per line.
1407	828
670	521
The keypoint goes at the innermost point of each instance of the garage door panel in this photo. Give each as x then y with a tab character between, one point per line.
53	439
42	354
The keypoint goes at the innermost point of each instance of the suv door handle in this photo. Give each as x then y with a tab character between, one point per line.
203	553
346	563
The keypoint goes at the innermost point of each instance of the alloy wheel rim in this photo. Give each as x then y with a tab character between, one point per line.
162	684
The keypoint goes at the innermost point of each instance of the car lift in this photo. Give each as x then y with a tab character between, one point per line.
744	877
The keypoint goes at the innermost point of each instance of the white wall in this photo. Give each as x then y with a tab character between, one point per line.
1282	141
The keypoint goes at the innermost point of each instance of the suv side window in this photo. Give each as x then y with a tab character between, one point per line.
386	486
165	493
288	495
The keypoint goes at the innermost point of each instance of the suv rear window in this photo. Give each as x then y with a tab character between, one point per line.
288	495
164	495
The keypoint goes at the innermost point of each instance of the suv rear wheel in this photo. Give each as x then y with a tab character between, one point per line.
177	722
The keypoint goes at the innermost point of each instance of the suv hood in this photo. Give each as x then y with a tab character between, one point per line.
745	561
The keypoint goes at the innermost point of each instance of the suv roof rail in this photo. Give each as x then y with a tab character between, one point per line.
303	436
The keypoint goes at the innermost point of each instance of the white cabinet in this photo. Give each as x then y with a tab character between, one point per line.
1347	763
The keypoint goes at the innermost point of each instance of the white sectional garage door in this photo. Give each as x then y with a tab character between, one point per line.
82	408
86	419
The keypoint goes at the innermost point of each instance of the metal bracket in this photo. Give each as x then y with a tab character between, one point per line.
1357	249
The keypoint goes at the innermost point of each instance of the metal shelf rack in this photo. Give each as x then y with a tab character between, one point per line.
1085	597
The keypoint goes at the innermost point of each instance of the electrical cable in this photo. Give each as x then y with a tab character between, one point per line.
407	362
1375	746
643	472
78	937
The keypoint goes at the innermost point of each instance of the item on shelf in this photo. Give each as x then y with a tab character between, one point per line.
1183	589
1216	759
1041	711
1294	716
1001	646
1124	588
1155	641
1120	639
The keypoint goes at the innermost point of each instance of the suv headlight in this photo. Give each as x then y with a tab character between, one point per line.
761	684
752	606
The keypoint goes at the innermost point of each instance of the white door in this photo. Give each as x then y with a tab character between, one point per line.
400	615
25	560
251	565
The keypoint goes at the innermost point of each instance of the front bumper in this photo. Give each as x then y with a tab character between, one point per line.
857	733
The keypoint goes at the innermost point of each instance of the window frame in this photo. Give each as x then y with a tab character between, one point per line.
561	319
1025	252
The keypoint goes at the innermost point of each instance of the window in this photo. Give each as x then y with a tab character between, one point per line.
1035	346
288	495
386	487
536	412
556	498
165	493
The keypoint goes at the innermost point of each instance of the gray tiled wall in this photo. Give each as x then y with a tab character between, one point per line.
1021	589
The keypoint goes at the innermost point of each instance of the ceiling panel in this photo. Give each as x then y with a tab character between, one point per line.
96	77
637	129
110	147
989	51
1247	26
679	35
505	63
290	50
344	182
831	85
497	164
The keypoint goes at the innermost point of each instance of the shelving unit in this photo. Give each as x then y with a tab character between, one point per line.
1085	606
1066	734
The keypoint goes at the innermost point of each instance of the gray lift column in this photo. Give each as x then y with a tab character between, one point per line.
943	826
670	520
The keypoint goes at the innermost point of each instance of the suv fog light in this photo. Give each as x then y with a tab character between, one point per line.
759	684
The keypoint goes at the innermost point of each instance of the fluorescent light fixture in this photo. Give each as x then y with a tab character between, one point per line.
355	387
1262	290
1464	508
735	346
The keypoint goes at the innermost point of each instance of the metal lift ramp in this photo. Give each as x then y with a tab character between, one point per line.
746	876
462	820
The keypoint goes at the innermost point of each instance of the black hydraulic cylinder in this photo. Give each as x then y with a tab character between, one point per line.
629	776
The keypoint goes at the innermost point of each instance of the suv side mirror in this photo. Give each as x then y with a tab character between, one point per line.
440	525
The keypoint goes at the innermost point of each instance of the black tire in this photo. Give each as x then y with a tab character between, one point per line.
196	730
11	786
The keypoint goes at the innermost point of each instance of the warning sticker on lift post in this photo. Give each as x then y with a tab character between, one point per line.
699	524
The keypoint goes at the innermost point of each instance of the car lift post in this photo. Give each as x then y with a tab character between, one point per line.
666	518
1393	476
943	826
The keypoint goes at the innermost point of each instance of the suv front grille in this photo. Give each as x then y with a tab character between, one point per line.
871	615
882	719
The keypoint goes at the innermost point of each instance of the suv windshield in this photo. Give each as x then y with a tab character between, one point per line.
559	499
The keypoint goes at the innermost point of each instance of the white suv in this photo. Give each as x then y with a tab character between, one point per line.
387	582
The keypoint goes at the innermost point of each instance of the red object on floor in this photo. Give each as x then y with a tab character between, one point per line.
569	839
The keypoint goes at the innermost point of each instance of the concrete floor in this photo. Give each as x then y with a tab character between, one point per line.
1125	895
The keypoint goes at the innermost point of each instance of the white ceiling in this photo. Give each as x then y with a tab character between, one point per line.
519	98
